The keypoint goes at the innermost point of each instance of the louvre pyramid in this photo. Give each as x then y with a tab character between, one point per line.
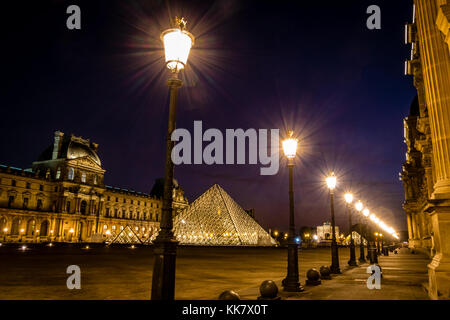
216	219
126	235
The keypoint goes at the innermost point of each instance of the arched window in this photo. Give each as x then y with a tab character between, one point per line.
58	173
31	225
3	225
71	174
83	207
83	177
15	226
44	228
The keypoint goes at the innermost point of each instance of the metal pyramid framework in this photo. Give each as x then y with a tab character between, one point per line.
125	236
216	219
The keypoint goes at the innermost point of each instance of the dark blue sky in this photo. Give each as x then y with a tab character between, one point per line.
256	64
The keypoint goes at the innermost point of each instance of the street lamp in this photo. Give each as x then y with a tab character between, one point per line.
334	268
349	199
359	206
291	283
177	43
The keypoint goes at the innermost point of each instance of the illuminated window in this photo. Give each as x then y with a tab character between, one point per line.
71	174
83	177
95	179
58	173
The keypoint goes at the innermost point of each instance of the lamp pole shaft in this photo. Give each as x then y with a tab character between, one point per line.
362	258
334	248
352	261
165	245
291	283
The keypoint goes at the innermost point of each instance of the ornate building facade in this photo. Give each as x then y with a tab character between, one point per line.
426	171
63	198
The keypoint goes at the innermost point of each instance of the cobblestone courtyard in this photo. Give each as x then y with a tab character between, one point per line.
202	273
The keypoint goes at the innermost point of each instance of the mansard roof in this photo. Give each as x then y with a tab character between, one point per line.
72	147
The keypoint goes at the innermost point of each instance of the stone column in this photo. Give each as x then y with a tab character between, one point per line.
410	235
435	58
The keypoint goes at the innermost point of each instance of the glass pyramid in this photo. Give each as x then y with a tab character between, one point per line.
216	219
124	236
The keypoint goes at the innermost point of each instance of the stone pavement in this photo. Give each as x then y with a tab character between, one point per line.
403	277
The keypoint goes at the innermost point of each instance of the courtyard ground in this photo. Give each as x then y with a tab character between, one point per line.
202	273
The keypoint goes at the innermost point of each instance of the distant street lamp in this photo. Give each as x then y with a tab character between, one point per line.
359	206
177	45
334	268
291	283
349	199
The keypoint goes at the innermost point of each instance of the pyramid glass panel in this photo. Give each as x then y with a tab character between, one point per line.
216	219
124	236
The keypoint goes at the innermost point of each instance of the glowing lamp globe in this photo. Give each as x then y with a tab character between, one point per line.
290	146
331	181
348	198
366	212
359	206
177	45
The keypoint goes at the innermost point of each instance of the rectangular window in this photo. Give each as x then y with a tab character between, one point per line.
68	207
10	201
13	183
41	187
115	213
25	203
131	201
109	198
39	204
124	200
107	212
117	199
56	189
28	185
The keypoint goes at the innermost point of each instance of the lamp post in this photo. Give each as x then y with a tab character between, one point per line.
177	44
291	282
359	206
349	199
334	268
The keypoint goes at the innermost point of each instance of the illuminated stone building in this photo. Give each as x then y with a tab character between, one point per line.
63	198
324	232
426	171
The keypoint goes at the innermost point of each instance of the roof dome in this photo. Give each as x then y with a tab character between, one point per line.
72	147
77	150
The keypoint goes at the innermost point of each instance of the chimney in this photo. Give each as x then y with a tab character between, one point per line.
57	144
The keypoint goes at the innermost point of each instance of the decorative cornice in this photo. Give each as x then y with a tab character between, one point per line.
443	22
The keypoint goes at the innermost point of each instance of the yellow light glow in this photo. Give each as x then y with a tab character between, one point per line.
366	212
5	229
359	206
51	231
177	45
108	232
290	146
348	198
71	230
22	230
331	181
275	233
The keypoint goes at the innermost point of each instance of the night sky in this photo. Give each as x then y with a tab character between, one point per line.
314	68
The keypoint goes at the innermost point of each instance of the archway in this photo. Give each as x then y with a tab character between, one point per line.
15	227
31	225
44	228
3	224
